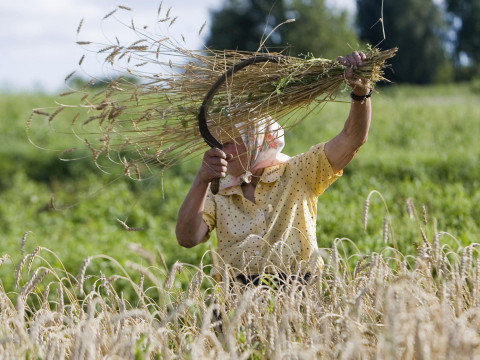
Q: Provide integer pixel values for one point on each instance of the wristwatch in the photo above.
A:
(361, 97)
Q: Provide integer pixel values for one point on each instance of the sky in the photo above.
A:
(38, 37)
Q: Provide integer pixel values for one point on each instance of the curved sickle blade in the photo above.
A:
(202, 115)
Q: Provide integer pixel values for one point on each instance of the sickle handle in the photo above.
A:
(215, 185)
(202, 116)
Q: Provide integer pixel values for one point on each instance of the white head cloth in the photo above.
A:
(264, 141)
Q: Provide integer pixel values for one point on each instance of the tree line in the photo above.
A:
(438, 41)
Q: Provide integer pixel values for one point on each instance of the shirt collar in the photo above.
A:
(270, 175)
(232, 190)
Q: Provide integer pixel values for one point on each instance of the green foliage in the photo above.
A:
(417, 28)
(317, 29)
(438, 41)
(466, 13)
(423, 144)
(242, 24)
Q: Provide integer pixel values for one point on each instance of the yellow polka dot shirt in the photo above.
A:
(279, 228)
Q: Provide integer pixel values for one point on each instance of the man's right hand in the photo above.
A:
(191, 228)
(214, 165)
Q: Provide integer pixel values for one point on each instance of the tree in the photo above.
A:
(317, 30)
(465, 19)
(241, 24)
(417, 28)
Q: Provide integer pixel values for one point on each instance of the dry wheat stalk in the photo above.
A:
(143, 252)
(169, 280)
(386, 314)
(424, 214)
(18, 270)
(4, 258)
(365, 213)
(147, 116)
(60, 301)
(385, 230)
(410, 208)
(33, 282)
(32, 257)
(81, 274)
(24, 240)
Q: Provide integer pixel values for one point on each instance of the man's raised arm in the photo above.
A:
(342, 148)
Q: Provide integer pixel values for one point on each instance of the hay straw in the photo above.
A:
(362, 306)
(152, 121)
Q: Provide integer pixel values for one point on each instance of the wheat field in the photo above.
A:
(417, 300)
(386, 305)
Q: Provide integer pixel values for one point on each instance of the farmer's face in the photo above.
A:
(238, 165)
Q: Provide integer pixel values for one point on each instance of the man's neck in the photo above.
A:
(249, 189)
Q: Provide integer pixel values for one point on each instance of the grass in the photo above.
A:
(418, 301)
(422, 145)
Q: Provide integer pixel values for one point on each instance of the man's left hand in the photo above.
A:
(353, 61)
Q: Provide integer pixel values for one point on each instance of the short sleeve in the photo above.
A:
(210, 212)
(316, 169)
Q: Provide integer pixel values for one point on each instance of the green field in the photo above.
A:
(368, 302)
(423, 145)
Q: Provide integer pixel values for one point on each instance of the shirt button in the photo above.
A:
(260, 186)
(257, 252)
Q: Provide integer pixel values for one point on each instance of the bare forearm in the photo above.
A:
(342, 148)
(357, 124)
(191, 228)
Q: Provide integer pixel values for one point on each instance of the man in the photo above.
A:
(265, 211)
